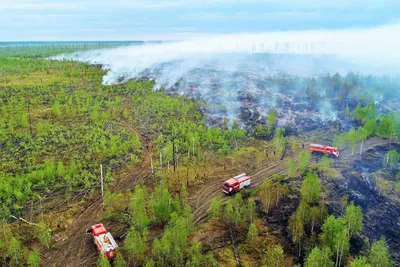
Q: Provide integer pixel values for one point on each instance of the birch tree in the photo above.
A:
(319, 258)
(379, 256)
(354, 218)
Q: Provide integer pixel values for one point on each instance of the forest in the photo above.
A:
(164, 164)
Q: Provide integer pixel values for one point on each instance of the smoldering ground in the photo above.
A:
(246, 75)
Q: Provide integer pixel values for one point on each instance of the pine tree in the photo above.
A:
(274, 256)
(162, 204)
(137, 208)
(56, 109)
(194, 255)
(215, 209)
(16, 252)
(119, 261)
(197, 259)
(252, 233)
(135, 244)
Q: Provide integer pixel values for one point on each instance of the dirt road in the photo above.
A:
(75, 249)
(203, 198)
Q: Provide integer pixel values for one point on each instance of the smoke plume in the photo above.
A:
(232, 71)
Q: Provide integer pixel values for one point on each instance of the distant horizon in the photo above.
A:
(150, 20)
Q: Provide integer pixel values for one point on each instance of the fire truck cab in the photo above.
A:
(103, 240)
(321, 149)
(236, 183)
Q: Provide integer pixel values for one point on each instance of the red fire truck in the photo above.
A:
(103, 240)
(321, 149)
(236, 183)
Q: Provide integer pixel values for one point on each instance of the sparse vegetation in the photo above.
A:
(161, 158)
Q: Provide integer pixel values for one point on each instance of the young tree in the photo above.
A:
(319, 258)
(137, 208)
(259, 130)
(150, 263)
(296, 229)
(359, 113)
(379, 256)
(34, 259)
(274, 256)
(371, 127)
(344, 202)
(316, 217)
(363, 134)
(215, 209)
(5, 238)
(271, 123)
(386, 128)
(56, 109)
(119, 261)
(304, 158)
(162, 204)
(15, 251)
(360, 262)
(310, 188)
(291, 166)
(94, 115)
(168, 250)
(335, 236)
(135, 244)
(194, 255)
(103, 261)
(270, 193)
(348, 112)
(279, 141)
(197, 259)
(391, 160)
(43, 233)
(340, 140)
(252, 233)
(353, 138)
(354, 218)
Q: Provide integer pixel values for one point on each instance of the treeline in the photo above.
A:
(342, 91)
(46, 50)
(385, 126)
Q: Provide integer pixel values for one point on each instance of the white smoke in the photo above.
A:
(255, 56)
(369, 50)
